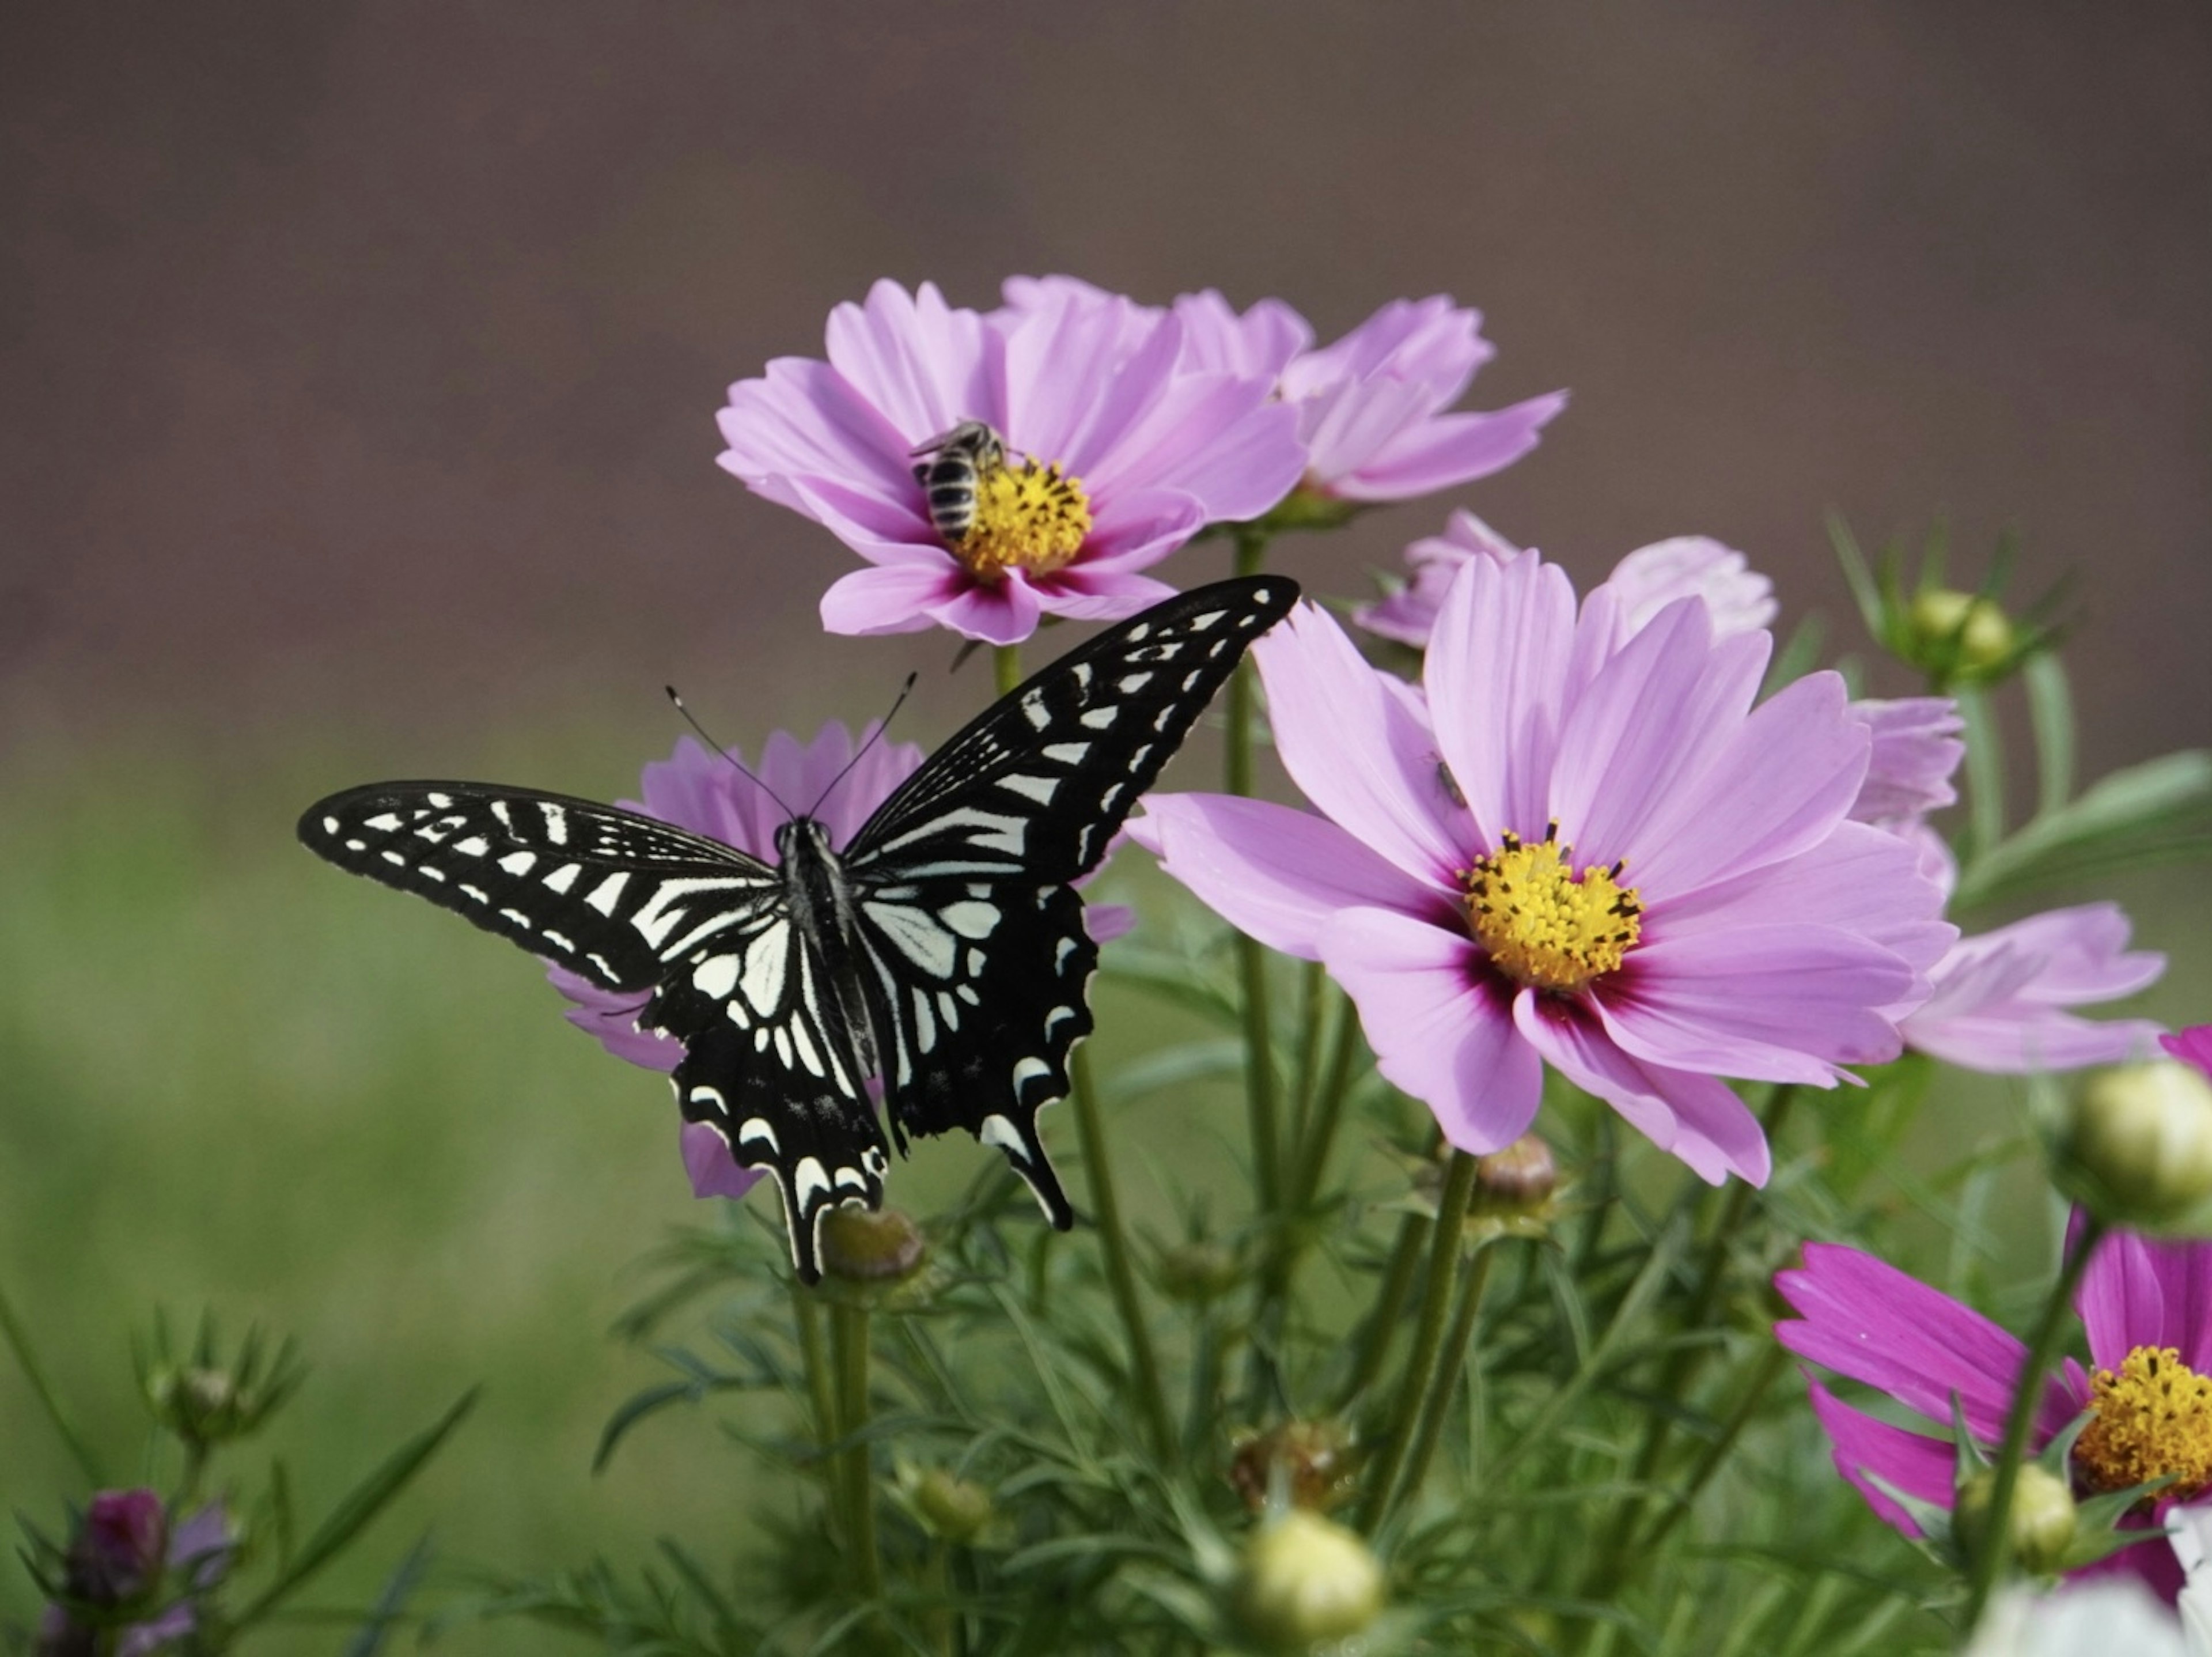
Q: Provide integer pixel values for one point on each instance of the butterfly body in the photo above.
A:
(942, 949)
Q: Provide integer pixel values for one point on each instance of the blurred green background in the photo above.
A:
(357, 369)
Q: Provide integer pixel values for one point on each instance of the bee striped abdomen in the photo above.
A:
(949, 471)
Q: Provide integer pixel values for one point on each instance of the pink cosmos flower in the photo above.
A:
(1577, 849)
(2147, 1308)
(701, 791)
(1998, 1000)
(123, 1546)
(1372, 406)
(1644, 582)
(1117, 454)
(1917, 747)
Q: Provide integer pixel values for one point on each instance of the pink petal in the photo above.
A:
(1353, 752)
(1274, 874)
(1217, 439)
(1777, 1003)
(1693, 1117)
(1076, 392)
(713, 1172)
(920, 362)
(1780, 788)
(1914, 1463)
(1439, 1023)
(1864, 1319)
(1257, 344)
(802, 417)
(2139, 1291)
(610, 1019)
(1647, 580)
(1086, 595)
(1858, 880)
(1005, 612)
(1495, 675)
(890, 598)
(1447, 450)
(2192, 1047)
(1137, 529)
(1654, 717)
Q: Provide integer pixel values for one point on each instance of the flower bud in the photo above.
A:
(862, 1247)
(118, 1552)
(951, 1505)
(1973, 626)
(1313, 1459)
(2041, 1523)
(1517, 1179)
(2142, 1140)
(1198, 1272)
(1306, 1579)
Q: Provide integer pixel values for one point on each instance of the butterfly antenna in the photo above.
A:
(743, 770)
(882, 725)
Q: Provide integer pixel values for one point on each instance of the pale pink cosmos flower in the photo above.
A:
(1148, 451)
(1999, 1000)
(1917, 747)
(698, 789)
(1871, 1323)
(1643, 583)
(1375, 408)
(1688, 897)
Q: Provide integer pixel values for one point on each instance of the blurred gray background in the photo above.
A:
(362, 361)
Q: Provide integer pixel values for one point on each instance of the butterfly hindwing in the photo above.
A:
(980, 958)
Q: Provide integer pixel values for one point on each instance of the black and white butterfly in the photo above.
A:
(943, 949)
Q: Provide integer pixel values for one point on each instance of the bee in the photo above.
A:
(947, 469)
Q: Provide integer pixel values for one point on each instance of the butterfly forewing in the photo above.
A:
(981, 963)
(600, 892)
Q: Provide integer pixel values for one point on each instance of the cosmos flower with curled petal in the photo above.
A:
(2147, 1308)
(1644, 582)
(700, 790)
(1116, 452)
(1374, 407)
(1576, 845)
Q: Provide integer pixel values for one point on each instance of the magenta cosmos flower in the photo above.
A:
(1644, 582)
(119, 1555)
(1577, 849)
(2147, 1308)
(700, 790)
(1375, 408)
(1115, 454)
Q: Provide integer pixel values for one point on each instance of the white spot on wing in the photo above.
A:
(1130, 684)
(1039, 788)
(807, 1179)
(1037, 713)
(384, 822)
(604, 896)
(563, 877)
(557, 822)
(1067, 753)
(1099, 718)
(519, 862)
(1029, 1069)
(918, 937)
(758, 1128)
(970, 919)
(762, 982)
(997, 1130)
(1199, 623)
(716, 975)
(330, 826)
(475, 846)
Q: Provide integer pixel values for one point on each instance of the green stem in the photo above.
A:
(1090, 1130)
(1450, 1362)
(1311, 1161)
(2027, 1394)
(848, 1345)
(1382, 1322)
(1260, 1078)
(808, 1322)
(1313, 984)
(1682, 1369)
(1771, 1366)
(1006, 665)
(1444, 1261)
(19, 1342)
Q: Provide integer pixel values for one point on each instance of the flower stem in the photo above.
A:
(1383, 1321)
(19, 1343)
(1444, 1262)
(1152, 1398)
(2027, 1393)
(848, 1346)
(1451, 1361)
(1772, 1363)
(1006, 665)
(808, 1322)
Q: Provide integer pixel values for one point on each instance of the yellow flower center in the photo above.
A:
(1027, 517)
(2153, 1417)
(1546, 924)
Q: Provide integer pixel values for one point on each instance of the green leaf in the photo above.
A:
(2050, 709)
(2161, 807)
(399, 1587)
(354, 1511)
(19, 1342)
